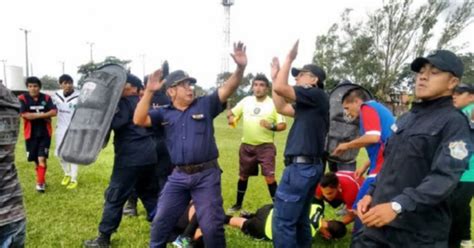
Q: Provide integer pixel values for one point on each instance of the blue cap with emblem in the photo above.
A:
(177, 77)
(442, 59)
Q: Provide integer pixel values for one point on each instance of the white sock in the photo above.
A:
(65, 167)
(74, 169)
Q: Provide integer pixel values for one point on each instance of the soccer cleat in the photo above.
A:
(66, 180)
(130, 209)
(102, 241)
(234, 209)
(182, 242)
(72, 185)
(40, 187)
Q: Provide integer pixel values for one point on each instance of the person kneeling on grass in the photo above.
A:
(257, 225)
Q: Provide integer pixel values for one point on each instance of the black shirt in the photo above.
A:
(424, 159)
(309, 130)
(133, 145)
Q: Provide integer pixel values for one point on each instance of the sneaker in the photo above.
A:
(102, 241)
(72, 185)
(466, 244)
(182, 242)
(66, 180)
(234, 209)
(40, 187)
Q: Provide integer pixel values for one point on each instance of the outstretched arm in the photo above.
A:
(281, 105)
(141, 117)
(281, 86)
(240, 59)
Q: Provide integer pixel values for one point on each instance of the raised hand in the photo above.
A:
(239, 55)
(275, 68)
(294, 51)
(155, 81)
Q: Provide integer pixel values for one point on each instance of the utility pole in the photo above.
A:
(26, 50)
(91, 45)
(62, 66)
(4, 61)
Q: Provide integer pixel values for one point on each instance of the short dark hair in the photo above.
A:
(65, 78)
(337, 229)
(352, 94)
(329, 180)
(261, 77)
(33, 80)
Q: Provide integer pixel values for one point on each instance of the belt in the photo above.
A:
(302, 160)
(196, 168)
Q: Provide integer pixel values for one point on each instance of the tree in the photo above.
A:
(468, 60)
(375, 53)
(89, 67)
(49, 83)
(241, 92)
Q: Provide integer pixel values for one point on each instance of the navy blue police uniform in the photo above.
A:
(134, 163)
(303, 152)
(193, 151)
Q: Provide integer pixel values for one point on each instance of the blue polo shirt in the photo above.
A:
(308, 133)
(133, 145)
(190, 133)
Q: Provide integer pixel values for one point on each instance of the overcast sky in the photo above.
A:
(188, 33)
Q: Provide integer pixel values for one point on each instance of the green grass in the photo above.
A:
(65, 218)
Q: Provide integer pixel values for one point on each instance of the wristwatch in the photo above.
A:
(396, 207)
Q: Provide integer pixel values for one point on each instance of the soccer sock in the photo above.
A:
(37, 173)
(41, 173)
(241, 188)
(272, 189)
(191, 227)
(65, 167)
(74, 168)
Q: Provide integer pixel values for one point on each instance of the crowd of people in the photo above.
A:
(414, 191)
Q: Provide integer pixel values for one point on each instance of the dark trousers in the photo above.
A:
(291, 226)
(461, 213)
(122, 183)
(204, 188)
(390, 237)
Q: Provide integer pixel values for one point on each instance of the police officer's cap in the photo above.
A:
(134, 81)
(461, 88)
(177, 77)
(314, 69)
(442, 59)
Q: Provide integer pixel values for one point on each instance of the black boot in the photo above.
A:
(130, 208)
(102, 241)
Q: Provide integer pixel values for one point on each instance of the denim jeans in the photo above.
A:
(13, 235)
(291, 227)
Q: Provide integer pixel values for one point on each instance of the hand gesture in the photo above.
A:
(340, 149)
(294, 51)
(323, 230)
(155, 81)
(239, 55)
(275, 68)
(265, 124)
(379, 215)
(363, 205)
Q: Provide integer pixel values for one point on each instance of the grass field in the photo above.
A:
(65, 218)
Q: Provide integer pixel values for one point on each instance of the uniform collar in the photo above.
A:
(432, 104)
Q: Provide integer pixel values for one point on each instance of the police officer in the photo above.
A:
(309, 105)
(407, 206)
(189, 131)
(134, 163)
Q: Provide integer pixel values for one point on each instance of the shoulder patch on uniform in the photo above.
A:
(394, 127)
(458, 150)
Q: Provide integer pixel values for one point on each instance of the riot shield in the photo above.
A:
(94, 112)
(340, 130)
